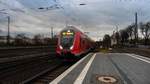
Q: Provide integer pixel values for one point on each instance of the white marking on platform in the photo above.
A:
(134, 56)
(82, 75)
(142, 57)
(59, 78)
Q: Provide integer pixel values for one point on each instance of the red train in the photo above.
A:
(72, 43)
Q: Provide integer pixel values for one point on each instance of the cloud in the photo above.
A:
(97, 16)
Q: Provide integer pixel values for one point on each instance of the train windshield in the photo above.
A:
(67, 38)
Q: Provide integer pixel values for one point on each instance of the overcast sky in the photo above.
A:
(98, 17)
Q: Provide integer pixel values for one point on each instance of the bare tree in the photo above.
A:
(124, 36)
(47, 41)
(38, 39)
(117, 36)
(145, 30)
(106, 41)
(20, 39)
(130, 31)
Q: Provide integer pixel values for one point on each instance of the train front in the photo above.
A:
(66, 43)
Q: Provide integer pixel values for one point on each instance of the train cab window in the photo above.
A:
(67, 39)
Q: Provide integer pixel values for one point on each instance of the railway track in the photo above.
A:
(33, 72)
(25, 47)
(33, 68)
(25, 57)
(24, 51)
(17, 71)
(48, 75)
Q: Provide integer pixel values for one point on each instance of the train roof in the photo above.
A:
(76, 30)
(72, 28)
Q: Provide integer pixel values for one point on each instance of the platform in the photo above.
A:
(107, 68)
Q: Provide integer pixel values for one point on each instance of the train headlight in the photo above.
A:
(71, 47)
(60, 47)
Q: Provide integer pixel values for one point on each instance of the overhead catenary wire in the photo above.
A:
(73, 18)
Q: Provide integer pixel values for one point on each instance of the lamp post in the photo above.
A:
(8, 32)
(52, 32)
(136, 29)
(8, 28)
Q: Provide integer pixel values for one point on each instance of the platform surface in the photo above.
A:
(107, 68)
